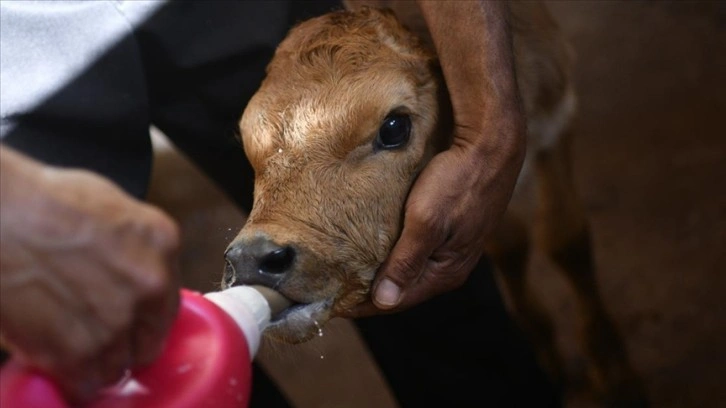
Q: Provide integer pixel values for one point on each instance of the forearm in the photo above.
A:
(478, 67)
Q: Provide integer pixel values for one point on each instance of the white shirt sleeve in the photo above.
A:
(45, 44)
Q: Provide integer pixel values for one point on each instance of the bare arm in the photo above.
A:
(474, 44)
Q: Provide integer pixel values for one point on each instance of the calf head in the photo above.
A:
(336, 134)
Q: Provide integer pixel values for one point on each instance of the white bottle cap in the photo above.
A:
(248, 308)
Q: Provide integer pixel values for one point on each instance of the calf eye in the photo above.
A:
(394, 132)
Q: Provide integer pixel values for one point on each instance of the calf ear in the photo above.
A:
(406, 11)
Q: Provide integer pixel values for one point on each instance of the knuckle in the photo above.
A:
(448, 276)
(155, 283)
(80, 348)
(158, 229)
(167, 234)
(424, 220)
(120, 321)
(404, 269)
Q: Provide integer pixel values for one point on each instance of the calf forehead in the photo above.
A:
(334, 116)
(331, 82)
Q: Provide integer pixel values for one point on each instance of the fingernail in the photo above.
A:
(387, 293)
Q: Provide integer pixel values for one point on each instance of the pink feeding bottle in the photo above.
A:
(206, 361)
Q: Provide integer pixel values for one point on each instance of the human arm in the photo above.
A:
(88, 280)
(462, 193)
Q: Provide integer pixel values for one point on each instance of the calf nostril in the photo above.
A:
(230, 275)
(277, 261)
(232, 253)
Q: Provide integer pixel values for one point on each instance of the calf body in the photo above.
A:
(352, 108)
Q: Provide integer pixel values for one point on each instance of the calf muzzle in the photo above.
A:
(257, 261)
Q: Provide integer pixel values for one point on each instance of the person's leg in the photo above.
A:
(460, 349)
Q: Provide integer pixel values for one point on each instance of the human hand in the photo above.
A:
(453, 206)
(462, 192)
(88, 275)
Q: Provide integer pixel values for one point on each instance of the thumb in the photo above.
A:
(404, 265)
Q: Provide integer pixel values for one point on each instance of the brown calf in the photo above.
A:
(351, 110)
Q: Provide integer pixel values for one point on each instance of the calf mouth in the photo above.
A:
(300, 322)
(291, 321)
(306, 307)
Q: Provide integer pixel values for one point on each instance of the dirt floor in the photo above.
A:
(650, 160)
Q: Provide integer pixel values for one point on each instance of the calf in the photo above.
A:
(352, 108)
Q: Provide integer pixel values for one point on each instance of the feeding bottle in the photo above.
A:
(206, 361)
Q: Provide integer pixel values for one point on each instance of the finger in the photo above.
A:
(79, 386)
(157, 309)
(154, 318)
(365, 309)
(148, 340)
(78, 372)
(441, 274)
(82, 382)
(429, 285)
(112, 364)
(151, 328)
(404, 265)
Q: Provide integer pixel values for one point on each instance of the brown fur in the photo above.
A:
(323, 189)
(308, 133)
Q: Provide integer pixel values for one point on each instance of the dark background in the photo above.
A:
(650, 162)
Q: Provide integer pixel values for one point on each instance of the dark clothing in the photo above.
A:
(189, 69)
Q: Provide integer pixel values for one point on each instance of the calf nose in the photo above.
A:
(257, 261)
